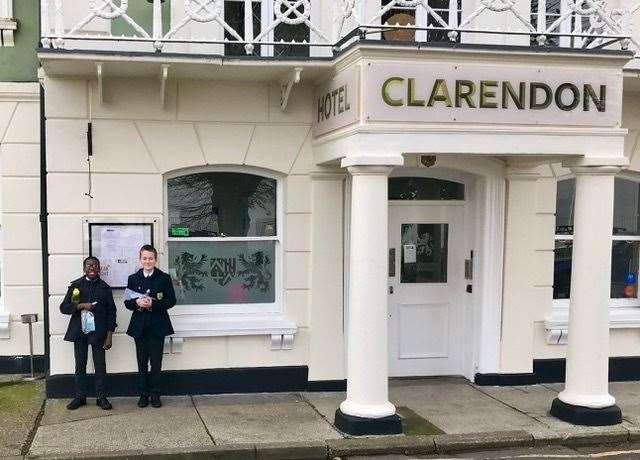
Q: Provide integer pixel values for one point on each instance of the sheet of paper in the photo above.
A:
(409, 250)
(117, 247)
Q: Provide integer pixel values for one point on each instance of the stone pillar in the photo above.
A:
(367, 409)
(516, 344)
(586, 399)
(326, 315)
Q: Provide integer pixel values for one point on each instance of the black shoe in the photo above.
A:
(76, 402)
(143, 401)
(155, 401)
(104, 404)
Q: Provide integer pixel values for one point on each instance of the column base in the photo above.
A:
(580, 415)
(360, 426)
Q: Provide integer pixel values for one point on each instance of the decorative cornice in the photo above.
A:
(19, 92)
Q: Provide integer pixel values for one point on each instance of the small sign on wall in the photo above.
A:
(336, 103)
(117, 247)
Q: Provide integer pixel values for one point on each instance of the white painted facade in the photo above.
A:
(159, 116)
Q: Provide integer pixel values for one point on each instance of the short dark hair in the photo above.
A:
(95, 259)
(149, 248)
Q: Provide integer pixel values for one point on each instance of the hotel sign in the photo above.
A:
(481, 94)
(337, 103)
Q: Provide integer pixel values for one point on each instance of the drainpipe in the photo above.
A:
(44, 215)
(44, 228)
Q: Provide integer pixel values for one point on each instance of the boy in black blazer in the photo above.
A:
(91, 294)
(149, 295)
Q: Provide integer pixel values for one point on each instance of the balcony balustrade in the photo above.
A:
(289, 29)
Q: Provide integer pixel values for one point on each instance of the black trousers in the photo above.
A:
(149, 351)
(80, 351)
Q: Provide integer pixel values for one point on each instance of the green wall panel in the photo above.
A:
(141, 11)
(19, 62)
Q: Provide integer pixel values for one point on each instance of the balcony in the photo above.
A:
(288, 30)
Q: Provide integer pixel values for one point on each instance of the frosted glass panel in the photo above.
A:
(222, 272)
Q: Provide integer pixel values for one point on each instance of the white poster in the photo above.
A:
(117, 247)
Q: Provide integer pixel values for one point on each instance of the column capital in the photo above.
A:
(595, 170)
(373, 160)
(368, 170)
(592, 165)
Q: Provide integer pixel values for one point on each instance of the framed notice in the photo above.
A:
(117, 246)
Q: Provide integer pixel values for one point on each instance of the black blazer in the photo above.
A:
(161, 290)
(104, 311)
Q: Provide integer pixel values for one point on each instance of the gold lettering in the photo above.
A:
(575, 92)
(386, 97)
(533, 96)
(465, 89)
(440, 93)
(509, 92)
(411, 94)
(599, 101)
(486, 93)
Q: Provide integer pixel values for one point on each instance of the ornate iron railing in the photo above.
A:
(298, 25)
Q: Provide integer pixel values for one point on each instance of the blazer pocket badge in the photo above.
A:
(159, 295)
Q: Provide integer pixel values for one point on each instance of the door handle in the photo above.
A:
(390, 289)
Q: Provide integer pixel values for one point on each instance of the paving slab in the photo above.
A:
(127, 427)
(456, 406)
(533, 400)
(262, 418)
(325, 403)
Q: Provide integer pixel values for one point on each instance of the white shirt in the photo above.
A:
(147, 274)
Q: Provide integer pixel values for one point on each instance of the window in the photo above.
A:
(291, 32)
(418, 16)
(223, 238)
(424, 188)
(263, 14)
(625, 245)
(234, 16)
(573, 24)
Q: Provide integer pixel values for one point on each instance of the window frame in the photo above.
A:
(613, 302)
(274, 308)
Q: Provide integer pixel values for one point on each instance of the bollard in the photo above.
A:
(29, 319)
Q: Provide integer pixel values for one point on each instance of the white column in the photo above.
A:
(367, 357)
(588, 348)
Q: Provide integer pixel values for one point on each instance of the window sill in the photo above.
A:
(280, 329)
(620, 317)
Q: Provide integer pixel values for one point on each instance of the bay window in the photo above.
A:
(625, 244)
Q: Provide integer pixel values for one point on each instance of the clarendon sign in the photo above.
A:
(436, 93)
(492, 94)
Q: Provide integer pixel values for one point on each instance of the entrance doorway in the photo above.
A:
(426, 277)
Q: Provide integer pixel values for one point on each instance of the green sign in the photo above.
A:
(179, 231)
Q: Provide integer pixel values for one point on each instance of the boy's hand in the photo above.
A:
(85, 306)
(108, 341)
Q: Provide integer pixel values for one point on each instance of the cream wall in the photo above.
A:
(21, 264)
(136, 142)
